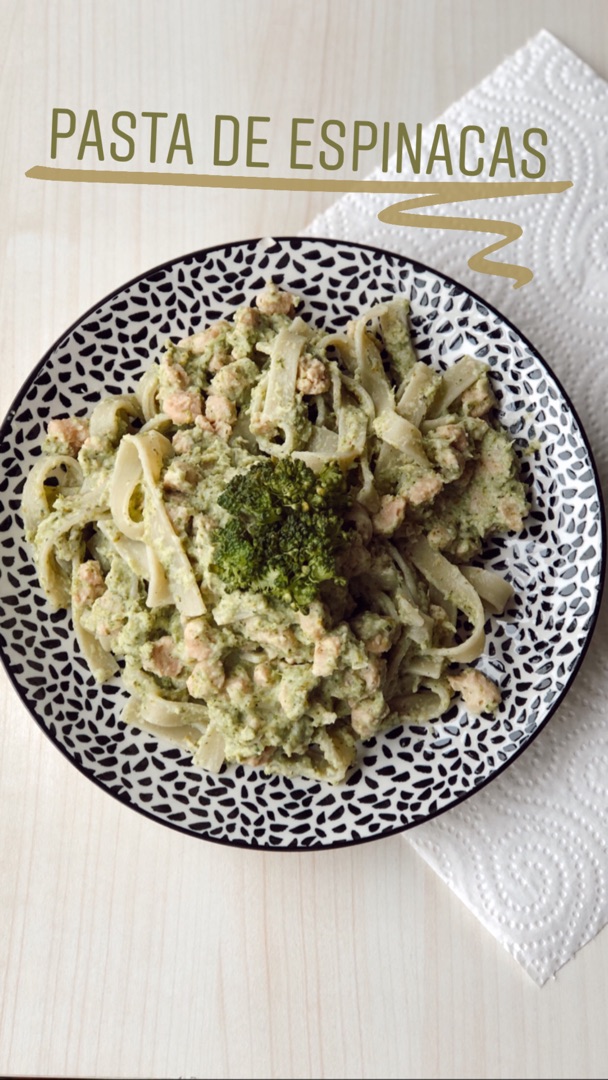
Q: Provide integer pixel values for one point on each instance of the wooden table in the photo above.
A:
(127, 949)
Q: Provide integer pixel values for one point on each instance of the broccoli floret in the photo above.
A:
(285, 531)
(238, 559)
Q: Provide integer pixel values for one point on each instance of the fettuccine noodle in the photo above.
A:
(122, 510)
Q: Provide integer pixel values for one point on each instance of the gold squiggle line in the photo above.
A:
(433, 194)
(461, 192)
(464, 190)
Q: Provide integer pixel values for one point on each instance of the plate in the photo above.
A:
(409, 774)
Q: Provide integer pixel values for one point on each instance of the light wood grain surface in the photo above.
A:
(127, 950)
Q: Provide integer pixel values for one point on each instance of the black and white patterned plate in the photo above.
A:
(410, 774)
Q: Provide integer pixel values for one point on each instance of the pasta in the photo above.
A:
(125, 509)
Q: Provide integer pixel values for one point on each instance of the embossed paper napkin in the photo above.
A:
(529, 853)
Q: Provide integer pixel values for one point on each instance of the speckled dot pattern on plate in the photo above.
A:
(409, 774)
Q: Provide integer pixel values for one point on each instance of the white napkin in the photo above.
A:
(529, 853)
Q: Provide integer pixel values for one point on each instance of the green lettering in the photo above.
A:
(123, 135)
(504, 137)
(338, 163)
(358, 146)
(181, 125)
(92, 121)
(154, 118)
(251, 142)
(440, 136)
(217, 140)
(542, 164)
(295, 142)
(56, 133)
(403, 139)
(386, 134)
(463, 150)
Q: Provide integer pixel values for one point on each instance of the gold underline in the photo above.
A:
(487, 188)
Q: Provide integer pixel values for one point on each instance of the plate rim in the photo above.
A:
(336, 844)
